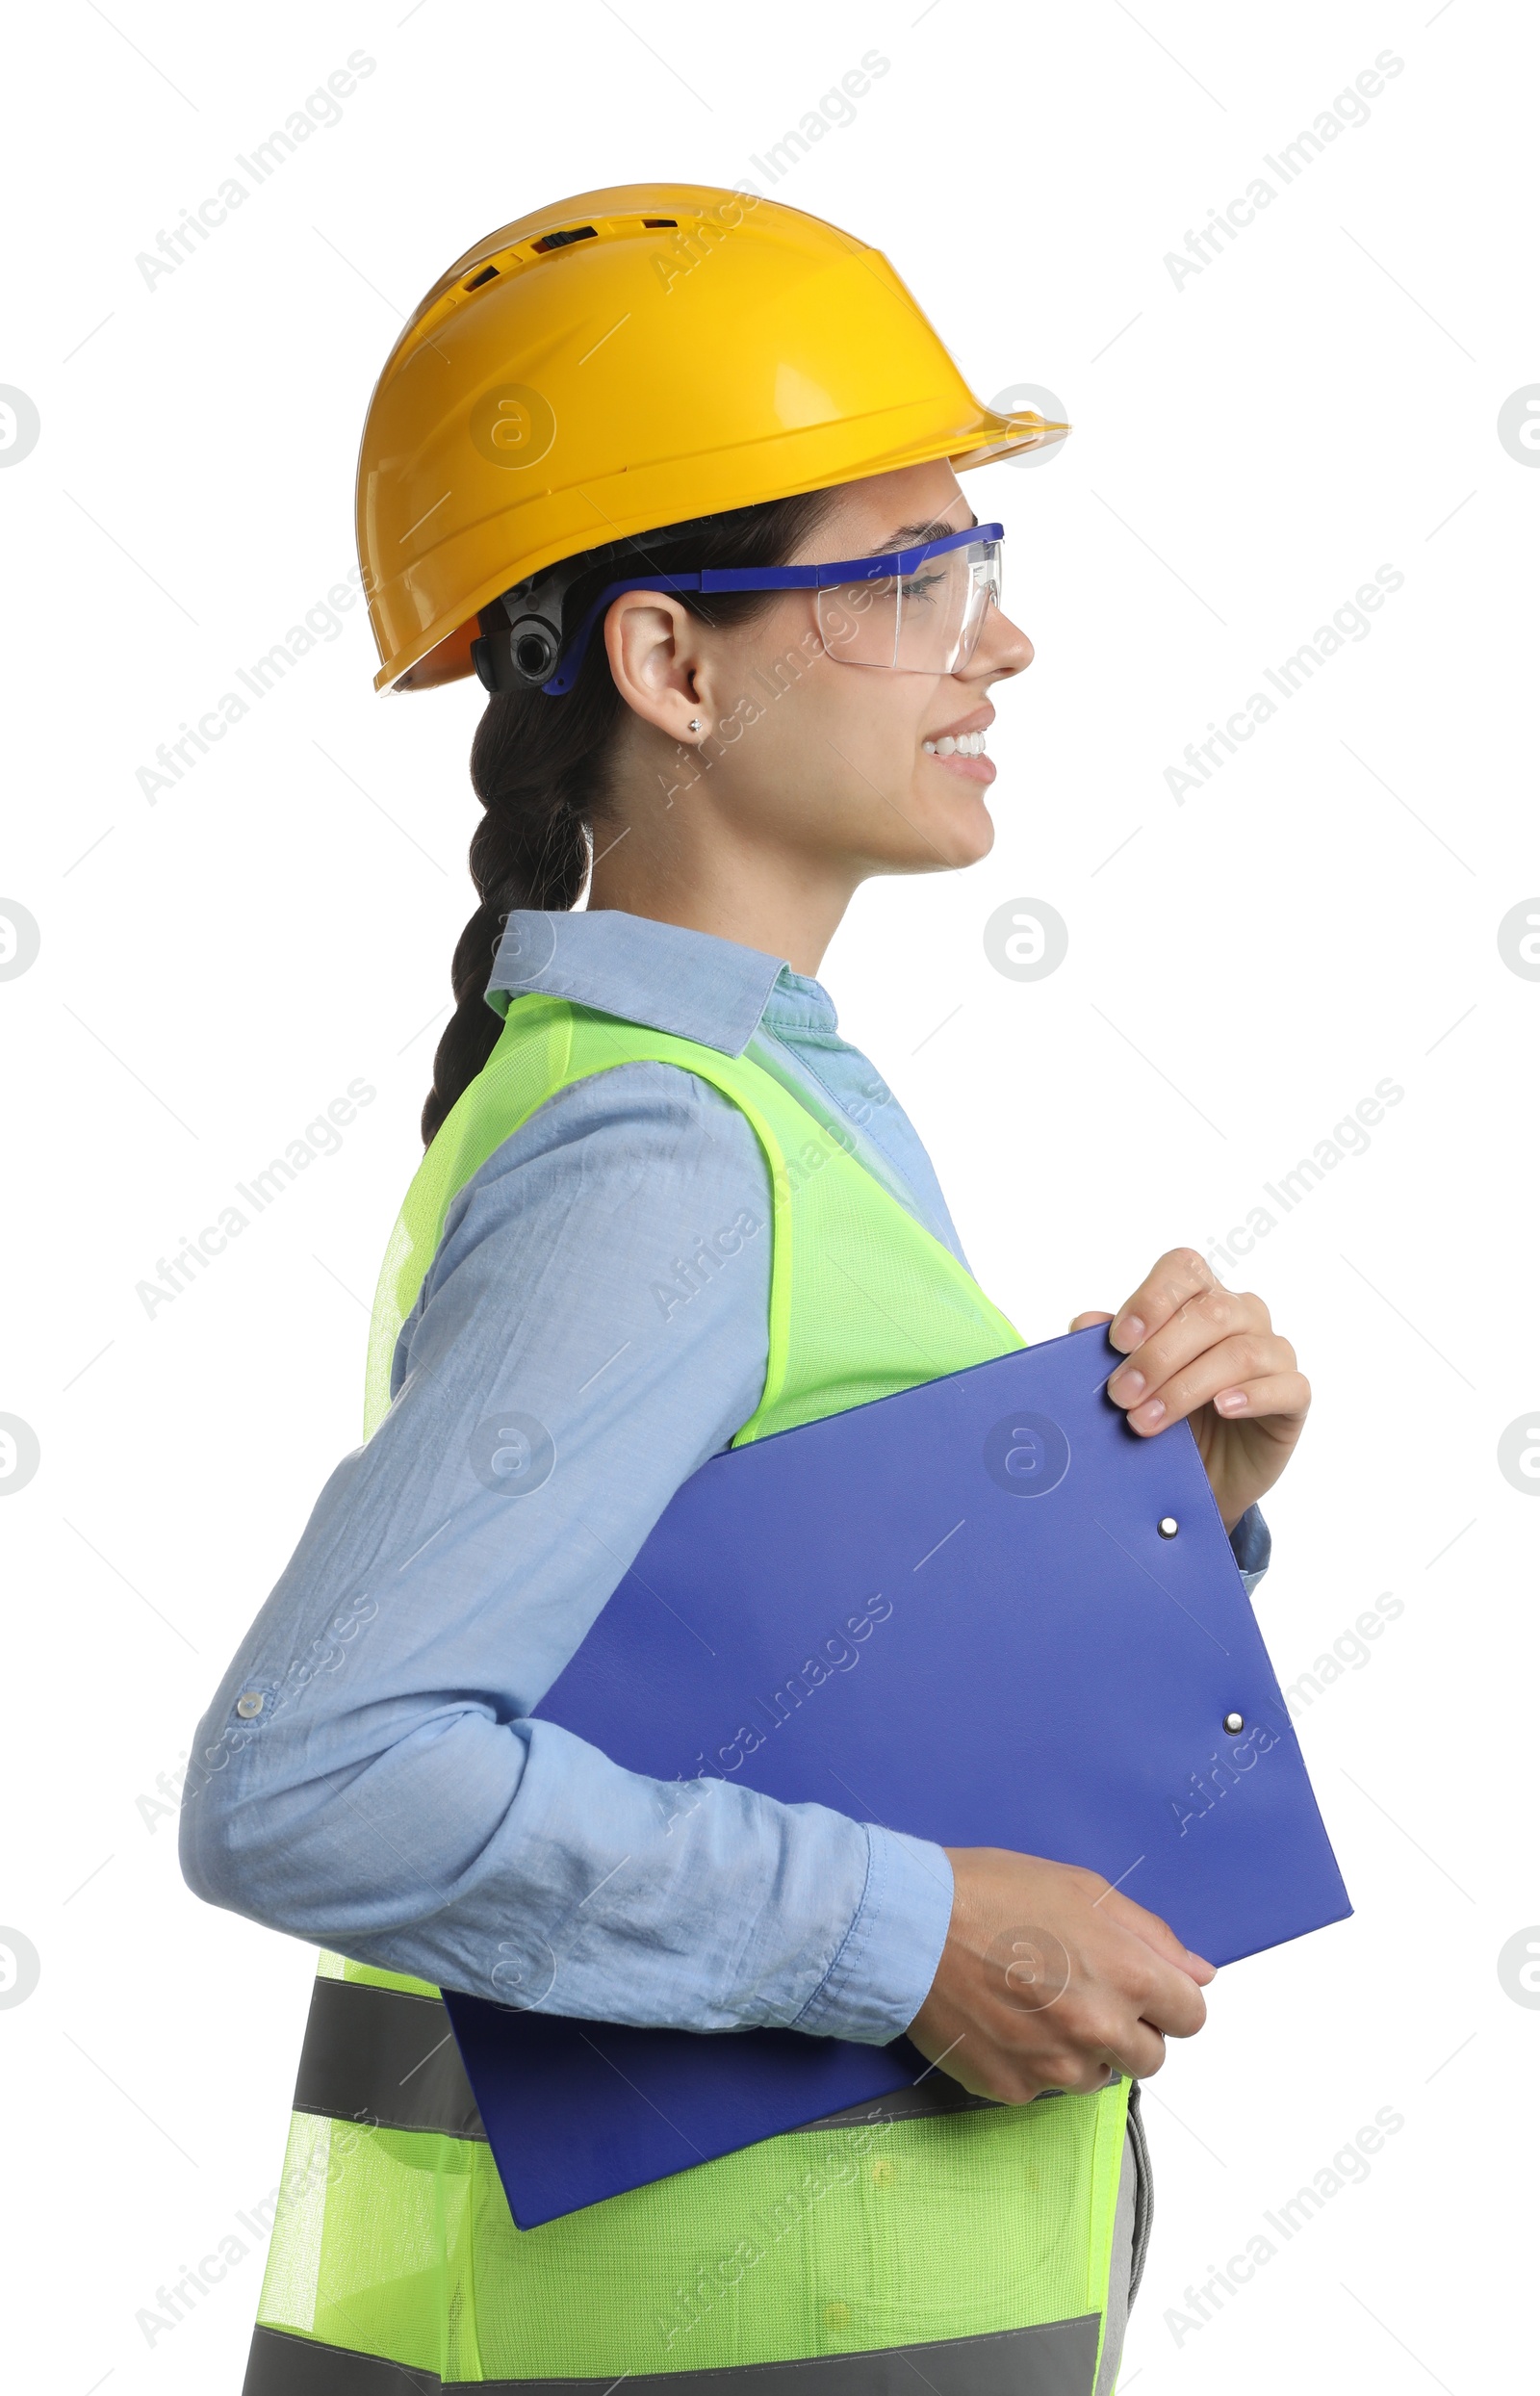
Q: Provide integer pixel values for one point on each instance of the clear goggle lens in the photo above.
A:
(927, 622)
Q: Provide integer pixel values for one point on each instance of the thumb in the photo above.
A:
(1084, 1322)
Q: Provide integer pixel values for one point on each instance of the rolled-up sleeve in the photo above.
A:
(368, 1777)
(1251, 1546)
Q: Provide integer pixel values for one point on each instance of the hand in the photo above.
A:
(1050, 1979)
(1194, 1350)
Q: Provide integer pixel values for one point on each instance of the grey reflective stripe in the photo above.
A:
(1131, 2227)
(381, 2056)
(1057, 2360)
(1144, 2193)
(1121, 2272)
(933, 2093)
(921, 2102)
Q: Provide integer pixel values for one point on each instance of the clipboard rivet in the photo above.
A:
(1167, 1526)
(1234, 1723)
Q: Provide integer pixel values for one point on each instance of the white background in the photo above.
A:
(1242, 968)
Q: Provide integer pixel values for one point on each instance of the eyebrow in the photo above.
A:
(915, 535)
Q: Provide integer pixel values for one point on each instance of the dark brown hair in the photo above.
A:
(540, 766)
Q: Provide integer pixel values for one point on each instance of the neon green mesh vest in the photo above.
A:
(990, 2249)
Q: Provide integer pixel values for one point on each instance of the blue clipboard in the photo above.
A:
(1056, 1637)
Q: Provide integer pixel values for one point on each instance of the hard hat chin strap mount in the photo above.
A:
(522, 652)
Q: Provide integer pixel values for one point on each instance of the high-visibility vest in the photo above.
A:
(992, 2248)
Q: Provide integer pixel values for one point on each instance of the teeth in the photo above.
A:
(965, 744)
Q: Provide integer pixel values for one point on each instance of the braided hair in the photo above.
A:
(540, 766)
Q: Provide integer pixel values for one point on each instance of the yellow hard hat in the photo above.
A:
(624, 360)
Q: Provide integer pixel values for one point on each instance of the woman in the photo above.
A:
(666, 1208)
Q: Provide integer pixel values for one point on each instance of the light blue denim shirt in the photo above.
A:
(389, 1796)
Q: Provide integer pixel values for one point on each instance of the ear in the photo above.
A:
(654, 647)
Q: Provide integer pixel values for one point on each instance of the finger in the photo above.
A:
(1201, 1324)
(1165, 1995)
(1233, 1365)
(1155, 1933)
(1180, 1274)
(1172, 2002)
(1147, 2055)
(1274, 1395)
(1087, 2059)
(1084, 1322)
(1138, 2052)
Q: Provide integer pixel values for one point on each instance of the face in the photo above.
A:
(839, 762)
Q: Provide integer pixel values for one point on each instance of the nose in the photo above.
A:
(1003, 648)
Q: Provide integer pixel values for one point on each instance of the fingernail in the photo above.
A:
(1230, 1401)
(1126, 1333)
(1149, 1415)
(1126, 1385)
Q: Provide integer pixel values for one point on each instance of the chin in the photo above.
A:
(964, 834)
(983, 835)
(947, 850)
(931, 838)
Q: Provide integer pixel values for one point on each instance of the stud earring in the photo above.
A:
(695, 723)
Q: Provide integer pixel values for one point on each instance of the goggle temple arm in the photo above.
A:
(566, 674)
(731, 579)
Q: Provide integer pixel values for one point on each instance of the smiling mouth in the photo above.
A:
(962, 744)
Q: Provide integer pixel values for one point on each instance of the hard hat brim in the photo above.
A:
(983, 441)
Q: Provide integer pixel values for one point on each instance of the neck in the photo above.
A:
(705, 876)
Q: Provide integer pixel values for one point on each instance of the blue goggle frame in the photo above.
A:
(812, 577)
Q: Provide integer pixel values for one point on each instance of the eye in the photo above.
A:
(921, 585)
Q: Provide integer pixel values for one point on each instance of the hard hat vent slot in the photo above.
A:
(659, 224)
(559, 240)
(476, 280)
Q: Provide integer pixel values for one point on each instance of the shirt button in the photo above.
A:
(883, 2173)
(251, 1704)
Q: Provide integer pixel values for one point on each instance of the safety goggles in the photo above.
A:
(914, 610)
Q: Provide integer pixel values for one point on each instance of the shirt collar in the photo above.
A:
(690, 983)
